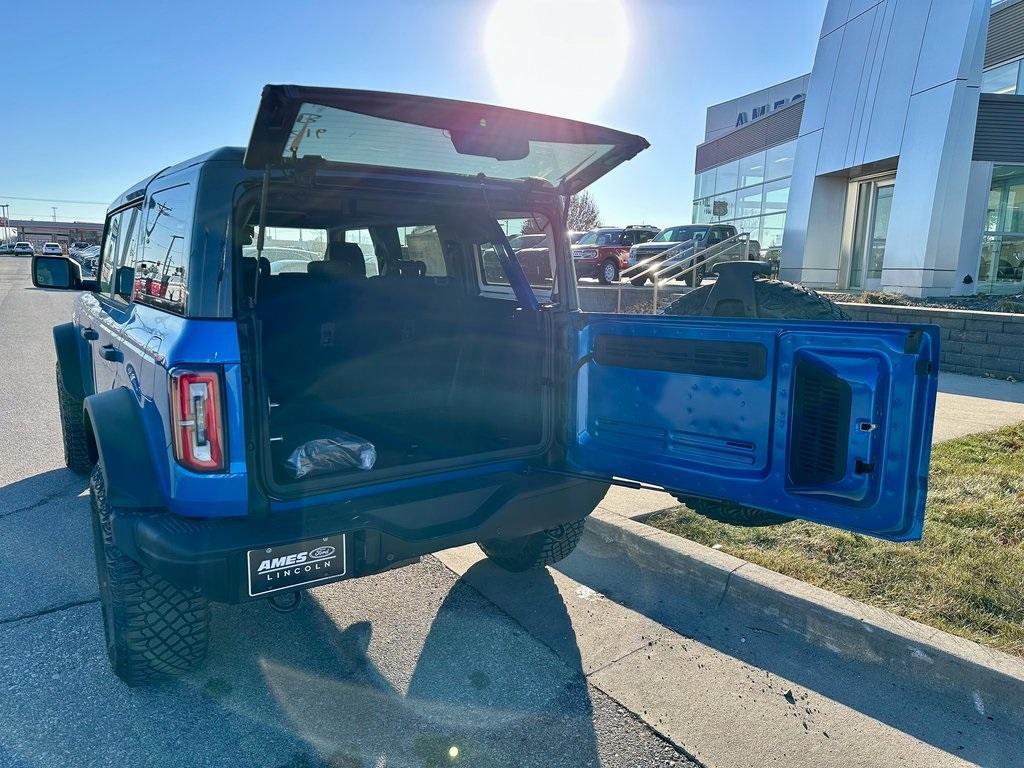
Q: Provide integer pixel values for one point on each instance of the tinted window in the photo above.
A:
(162, 272)
(111, 238)
(119, 246)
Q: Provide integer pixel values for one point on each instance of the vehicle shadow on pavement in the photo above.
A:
(865, 684)
(35, 491)
(456, 682)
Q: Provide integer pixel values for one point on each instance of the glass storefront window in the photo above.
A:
(751, 170)
(779, 161)
(1004, 79)
(772, 228)
(776, 196)
(748, 202)
(751, 226)
(728, 176)
(723, 206)
(705, 184)
(1006, 199)
(702, 211)
(1002, 263)
(1001, 268)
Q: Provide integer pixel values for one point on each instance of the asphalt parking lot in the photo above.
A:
(391, 670)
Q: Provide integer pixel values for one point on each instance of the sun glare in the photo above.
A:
(561, 56)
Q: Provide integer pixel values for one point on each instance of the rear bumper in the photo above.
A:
(211, 554)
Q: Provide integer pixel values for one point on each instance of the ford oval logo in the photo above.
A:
(321, 552)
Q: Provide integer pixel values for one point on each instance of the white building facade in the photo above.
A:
(905, 147)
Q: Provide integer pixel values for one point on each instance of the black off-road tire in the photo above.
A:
(639, 282)
(536, 550)
(155, 630)
(72, 428)
(775, 300)
(602, 272)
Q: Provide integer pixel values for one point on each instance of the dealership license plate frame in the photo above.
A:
(255, 557)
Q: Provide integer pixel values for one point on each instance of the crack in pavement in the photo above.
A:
(42, 501)
(46, 611)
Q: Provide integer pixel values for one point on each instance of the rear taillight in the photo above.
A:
(197, 420)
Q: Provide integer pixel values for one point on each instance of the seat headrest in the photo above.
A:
(343, 261)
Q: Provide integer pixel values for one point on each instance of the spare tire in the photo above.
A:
(776, 300)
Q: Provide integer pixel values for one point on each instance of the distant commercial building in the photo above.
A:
(896, 164)
(38, 232)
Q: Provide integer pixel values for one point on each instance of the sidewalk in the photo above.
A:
(966, 405)
(684, 645)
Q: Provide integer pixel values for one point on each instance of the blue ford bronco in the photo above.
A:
(318, 358)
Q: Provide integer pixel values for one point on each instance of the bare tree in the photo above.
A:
(583, 213)
(583, 216)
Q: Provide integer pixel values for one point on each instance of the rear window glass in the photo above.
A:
(288, 249)
(340, 136)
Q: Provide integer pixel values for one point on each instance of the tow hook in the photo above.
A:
(285, 603)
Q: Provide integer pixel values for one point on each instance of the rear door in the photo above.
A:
(341, 128)
(109, 312)
(829, 422)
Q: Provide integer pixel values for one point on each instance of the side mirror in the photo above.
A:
(56, 272)
(124, 283)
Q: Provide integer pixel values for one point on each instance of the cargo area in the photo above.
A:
(381, 336)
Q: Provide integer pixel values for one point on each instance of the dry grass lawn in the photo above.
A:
(966, 576)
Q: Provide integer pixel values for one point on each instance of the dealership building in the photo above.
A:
(896, 164)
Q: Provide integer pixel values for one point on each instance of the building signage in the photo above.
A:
(759, 111)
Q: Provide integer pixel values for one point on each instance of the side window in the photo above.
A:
(536, 262)
(161, 275)
(119, 246)
(111, 240)
(364, 240)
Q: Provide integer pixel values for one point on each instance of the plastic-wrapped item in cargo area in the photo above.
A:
(323, 450)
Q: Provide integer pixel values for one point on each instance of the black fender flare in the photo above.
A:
(123, 452)
(73, 362)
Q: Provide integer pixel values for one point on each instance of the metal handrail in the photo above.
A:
(670, 258)
(672, 252)
(706, 255)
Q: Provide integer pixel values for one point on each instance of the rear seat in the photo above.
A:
(335, 338)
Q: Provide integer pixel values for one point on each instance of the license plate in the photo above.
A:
(272, 569)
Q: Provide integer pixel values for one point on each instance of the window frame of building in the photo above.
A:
(1001, 230)
(1014, 71)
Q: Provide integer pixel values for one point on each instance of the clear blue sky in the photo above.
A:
(99, 95)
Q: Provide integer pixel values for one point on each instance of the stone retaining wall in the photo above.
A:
(977, 343)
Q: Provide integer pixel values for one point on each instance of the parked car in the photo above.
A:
(6, 248)
(76, 247)
(88, 257)
(23, 248)
(301, 428)
(702, 236)
(604, 252)
(52, 249)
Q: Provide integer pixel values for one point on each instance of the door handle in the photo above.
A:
(108, 352)
(89, 334)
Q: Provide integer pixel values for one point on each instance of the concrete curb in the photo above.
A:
(993, 681)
